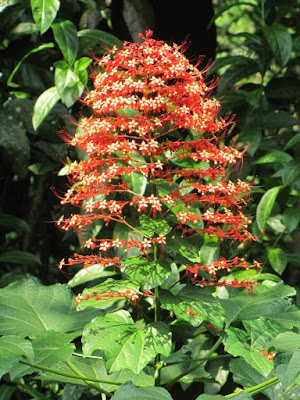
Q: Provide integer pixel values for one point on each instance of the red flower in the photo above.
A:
(151, 112)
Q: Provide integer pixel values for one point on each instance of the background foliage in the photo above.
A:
(45, 55)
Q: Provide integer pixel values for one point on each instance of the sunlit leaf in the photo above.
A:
(44, 105)
(265, 206)
(44, 13)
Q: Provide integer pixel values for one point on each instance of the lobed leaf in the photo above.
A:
(28, 308)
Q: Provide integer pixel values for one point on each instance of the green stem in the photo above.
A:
(158, 364)
(78, 372)
(257, 388)
(61, 373)
(191, 360)
(32, 392)
(170, 383)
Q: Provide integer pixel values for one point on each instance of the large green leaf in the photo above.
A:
(262, 302)
(291, 218)
(246, 375)
(275, 157)
(293, 369)
(286, 341)
(289, 173)
(210, 397)
(193, 305)
(265, 206)
(125, 344)
(49, 349)
(44, 104)
(149, 274)
(159, 226)
(91, 38)
(35, 50)
(294, 140)
(65, 34)
(28, 308)
(95, 368)
(130, 392)
(19, 257)
(106, 293)
(44, 13)
(209, 252)
(278, 260)
(90, 273)
(10, 222)
(12, 348)
(236, 343)
(283, 88)
(280, 42)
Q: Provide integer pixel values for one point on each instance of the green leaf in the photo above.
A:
(221, 62)
(251, 138)
(291, 218)
(36, 50)
(149, 274)
(275, 120)
(159, 226)
(19, 257)
(294, 259)
(130, 392)
(95, 368)
(10, 222)
(90, 273)
(209, 252)
(289, 319)
(210, 397)
(283, 88)
(28, 308)
(90, 38)
(65, 34)
(286, 341)
(275, 157)
(44, 105)
(193, 305)
(67, 82)
(278, 260)
(125, 344)
(294, 140)
(6, 391)
(262, 302)
(237, 344)
(265, 206)
(293, 369)
(280, 42)
(12, 348)
(289, 173)
(44, 13)
(49, 349)
(104, 298)
(139, 183)
(238, 71)
(184, 248)
(246, 375)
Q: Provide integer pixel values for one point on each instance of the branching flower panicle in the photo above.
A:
(154, 152)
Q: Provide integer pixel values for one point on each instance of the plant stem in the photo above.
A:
(170, 383)
(257, 388)
(191, 360)
(32, 392)
(158, 365)
(78, 372)
(61, 373)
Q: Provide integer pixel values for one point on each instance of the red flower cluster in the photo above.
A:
(151, 117)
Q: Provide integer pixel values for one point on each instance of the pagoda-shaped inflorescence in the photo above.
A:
(155, 168)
